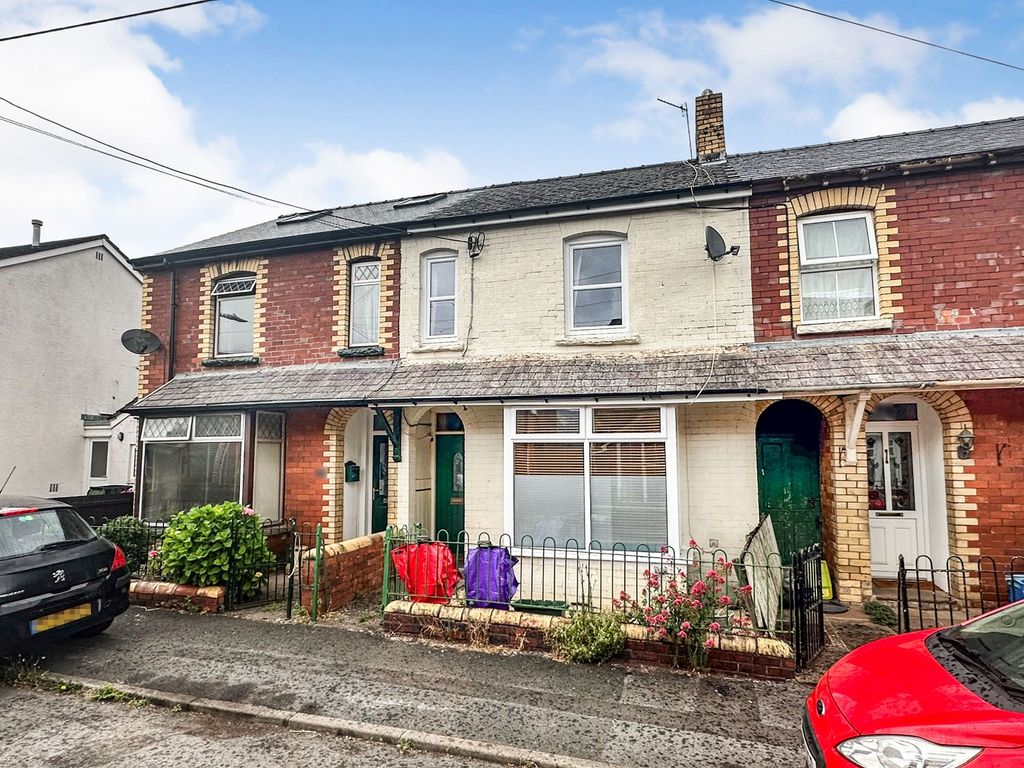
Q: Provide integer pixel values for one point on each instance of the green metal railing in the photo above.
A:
(556, 577)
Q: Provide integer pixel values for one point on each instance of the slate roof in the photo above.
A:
(661, 180)
(22, 250)
(912, 360)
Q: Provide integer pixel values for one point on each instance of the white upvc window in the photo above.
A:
(838, 267)
(364, 304)
(598, 477)
(189, 461)
(439, 302)
(99, 459)
(597, 299)
(234, 305)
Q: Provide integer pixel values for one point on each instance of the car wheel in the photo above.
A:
(96, 629)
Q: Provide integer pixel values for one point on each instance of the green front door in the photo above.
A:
(379, 517)
(789, 489)
(449, 498)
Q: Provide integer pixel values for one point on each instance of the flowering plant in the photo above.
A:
(684, 607)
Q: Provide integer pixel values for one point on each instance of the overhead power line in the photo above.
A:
(146, 163)
(104, 21)
(929, 43)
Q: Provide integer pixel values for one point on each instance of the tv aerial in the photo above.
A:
(139, 341)
(715, 245)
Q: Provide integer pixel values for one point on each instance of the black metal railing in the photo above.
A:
(930, 597)
(808, 605)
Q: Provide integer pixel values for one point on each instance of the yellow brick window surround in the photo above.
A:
(833, 200)
(387, 253)
(209, 275)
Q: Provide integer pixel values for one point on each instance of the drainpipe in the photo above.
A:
(854, 417)
(169, 373)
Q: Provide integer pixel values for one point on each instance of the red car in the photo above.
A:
(931, 699)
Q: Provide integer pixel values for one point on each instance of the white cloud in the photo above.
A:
(773, 59)
(873, 114)
(107, 81)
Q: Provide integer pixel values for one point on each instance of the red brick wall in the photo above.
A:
(959, 252)
(349, 569)
(298, 316)
(305, 476)
(186, 348)
(998, 417)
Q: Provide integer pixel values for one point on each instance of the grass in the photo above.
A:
(24, 672)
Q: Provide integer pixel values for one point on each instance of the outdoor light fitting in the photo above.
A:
(966, 446)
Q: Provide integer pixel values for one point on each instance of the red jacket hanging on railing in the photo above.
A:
(428, 571)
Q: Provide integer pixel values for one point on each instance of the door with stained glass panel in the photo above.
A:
(895, 503)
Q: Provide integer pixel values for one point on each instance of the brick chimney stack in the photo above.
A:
(710, 127)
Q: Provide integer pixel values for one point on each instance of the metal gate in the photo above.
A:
(252, 583)
(807, 605)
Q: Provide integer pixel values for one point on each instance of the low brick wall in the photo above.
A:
(178, 596)
(348, 569)
(760, 657)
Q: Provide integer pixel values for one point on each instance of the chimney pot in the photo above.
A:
(37, 232)
(710, 127)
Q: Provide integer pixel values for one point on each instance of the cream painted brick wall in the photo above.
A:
(520, 285)
(485, 480)
(717, 473)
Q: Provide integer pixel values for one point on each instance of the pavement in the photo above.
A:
(614, 714)
(69, 731)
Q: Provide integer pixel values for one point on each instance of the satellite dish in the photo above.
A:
(140, 341)
(715, 245)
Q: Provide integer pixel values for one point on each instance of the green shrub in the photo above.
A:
(201, 544)
(589, 638)
(132, 536)
(880, 613)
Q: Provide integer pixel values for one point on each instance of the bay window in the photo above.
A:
(199, 459)
(591, 476)
(838, 258)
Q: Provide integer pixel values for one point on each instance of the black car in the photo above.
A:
(57, 577)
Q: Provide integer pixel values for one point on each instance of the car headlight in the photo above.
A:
(904, 752)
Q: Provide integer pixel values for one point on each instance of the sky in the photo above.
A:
(322, 103)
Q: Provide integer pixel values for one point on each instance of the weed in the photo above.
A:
(880, 613)
(404, 745)
(109, 693)
(589, 637)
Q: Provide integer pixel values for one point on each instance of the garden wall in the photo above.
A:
(181, 597)
(348, 569)
(760, 657)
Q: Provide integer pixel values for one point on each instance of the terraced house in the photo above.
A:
(631, 358)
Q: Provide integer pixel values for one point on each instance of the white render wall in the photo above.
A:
(519, 286)
(61, 320)
(717, 466)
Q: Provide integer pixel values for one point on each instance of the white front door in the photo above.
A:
(895, 504)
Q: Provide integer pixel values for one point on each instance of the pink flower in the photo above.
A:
(709, 643)
(677, 602)
(623, 596)
(664, 549)
(711, 575)
(662, 633)
(249, 512)
(682, 634)
(693, 543)
(647, 574)
(695, 604)
(714, 626)
(154, 553)
(685, 625)
(698, 588)
(721, 560)
(615, 605)
(724, 600)
(747, 589)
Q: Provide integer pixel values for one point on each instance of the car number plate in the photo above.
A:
(60, 618)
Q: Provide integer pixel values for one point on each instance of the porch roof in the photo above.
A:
(960, 359)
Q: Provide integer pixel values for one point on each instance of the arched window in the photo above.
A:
(364, 303)
(234, 298)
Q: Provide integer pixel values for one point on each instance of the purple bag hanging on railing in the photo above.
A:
(490, 579)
